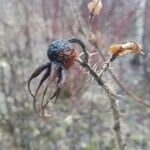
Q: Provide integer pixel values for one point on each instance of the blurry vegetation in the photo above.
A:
(82, 118)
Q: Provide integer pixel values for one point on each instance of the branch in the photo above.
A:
(126, 90)
(117, 126)
(112, 97)
(121, 85)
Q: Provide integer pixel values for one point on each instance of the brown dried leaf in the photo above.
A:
(95, 7)
(126, 48)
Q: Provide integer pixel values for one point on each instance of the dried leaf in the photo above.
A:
(95, 7)
(126, 48)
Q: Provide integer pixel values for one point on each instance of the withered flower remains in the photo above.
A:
(125, 48)
(62, 55)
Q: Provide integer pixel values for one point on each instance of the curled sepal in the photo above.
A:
(77, 41)
(61, 72)
(44, 77)
(35, 74)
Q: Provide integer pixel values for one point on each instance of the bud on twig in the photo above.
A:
(95, 7)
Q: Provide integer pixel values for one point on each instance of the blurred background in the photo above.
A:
(82, 117)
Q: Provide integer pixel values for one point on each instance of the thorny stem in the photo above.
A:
(92, 72)
(86, 55)
(111, 95)
(117, 126)
(105, 67)
(128, 92)
(115, 111)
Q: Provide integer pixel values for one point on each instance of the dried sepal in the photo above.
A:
(95, 7)
(125, 48)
